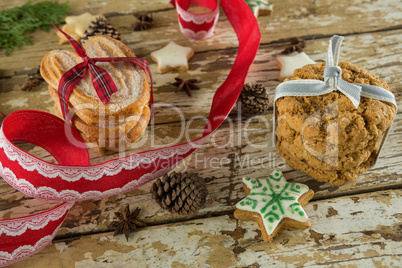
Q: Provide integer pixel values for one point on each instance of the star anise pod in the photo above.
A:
(32, 81)
(126, 221)
(186, 85)
(144, 22)
(296, 44)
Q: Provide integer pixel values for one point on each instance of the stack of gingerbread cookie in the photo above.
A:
(124, 118)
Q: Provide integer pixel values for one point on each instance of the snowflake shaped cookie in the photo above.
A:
(274, 204)
(260, 7)
(172, 57)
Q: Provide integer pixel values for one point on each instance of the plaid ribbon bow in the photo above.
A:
(101, 80)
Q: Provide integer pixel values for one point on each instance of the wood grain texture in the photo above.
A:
(356, 224)
(357, 230)
(222, 169)
(211, 69)
(309, 19)
(241, 147)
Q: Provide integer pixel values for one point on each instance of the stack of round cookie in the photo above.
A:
(124, 118)
(326, 136)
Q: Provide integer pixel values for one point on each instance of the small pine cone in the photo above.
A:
(254, 99)
(182, 193)
(100, 27)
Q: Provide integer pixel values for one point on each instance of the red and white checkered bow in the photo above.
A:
(101, 80)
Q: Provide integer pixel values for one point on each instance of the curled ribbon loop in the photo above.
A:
(101, 80)
(73, 178)
(333, 73)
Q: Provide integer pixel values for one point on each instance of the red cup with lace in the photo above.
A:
(197, 18)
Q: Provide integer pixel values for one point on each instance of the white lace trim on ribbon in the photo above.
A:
(18, 226)
(71, 195)
(199, 18)
(92, 173)
(25, 251)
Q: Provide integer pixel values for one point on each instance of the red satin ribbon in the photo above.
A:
(101, 80)
(73, 179)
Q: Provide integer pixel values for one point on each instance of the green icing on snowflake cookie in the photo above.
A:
(274, 199)
(257, 5)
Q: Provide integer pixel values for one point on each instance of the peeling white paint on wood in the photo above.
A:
(343, 231)
(224, 189)
(359, 231)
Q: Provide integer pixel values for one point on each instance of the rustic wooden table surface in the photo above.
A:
(357, 224)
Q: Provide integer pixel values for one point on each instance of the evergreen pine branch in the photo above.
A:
(16, 23)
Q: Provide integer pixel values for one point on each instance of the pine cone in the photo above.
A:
(254, 99)
(100, 27)
(180, 192)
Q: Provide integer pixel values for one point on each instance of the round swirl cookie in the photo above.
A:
(325, 136)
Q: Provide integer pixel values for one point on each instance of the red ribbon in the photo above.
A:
(73, 178)
(101, 80)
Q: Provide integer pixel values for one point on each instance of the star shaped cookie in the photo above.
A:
(172, 57)
(75, 26)
(274, 204)
(289, 63)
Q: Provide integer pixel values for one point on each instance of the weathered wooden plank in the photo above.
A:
(233, 161)
(235, 151)
(373, 57)
(211, 69)
(305, 18)
(371, 234)
(358, 231)
(102, 6)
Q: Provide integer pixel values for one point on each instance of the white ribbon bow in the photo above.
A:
(333, 81)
